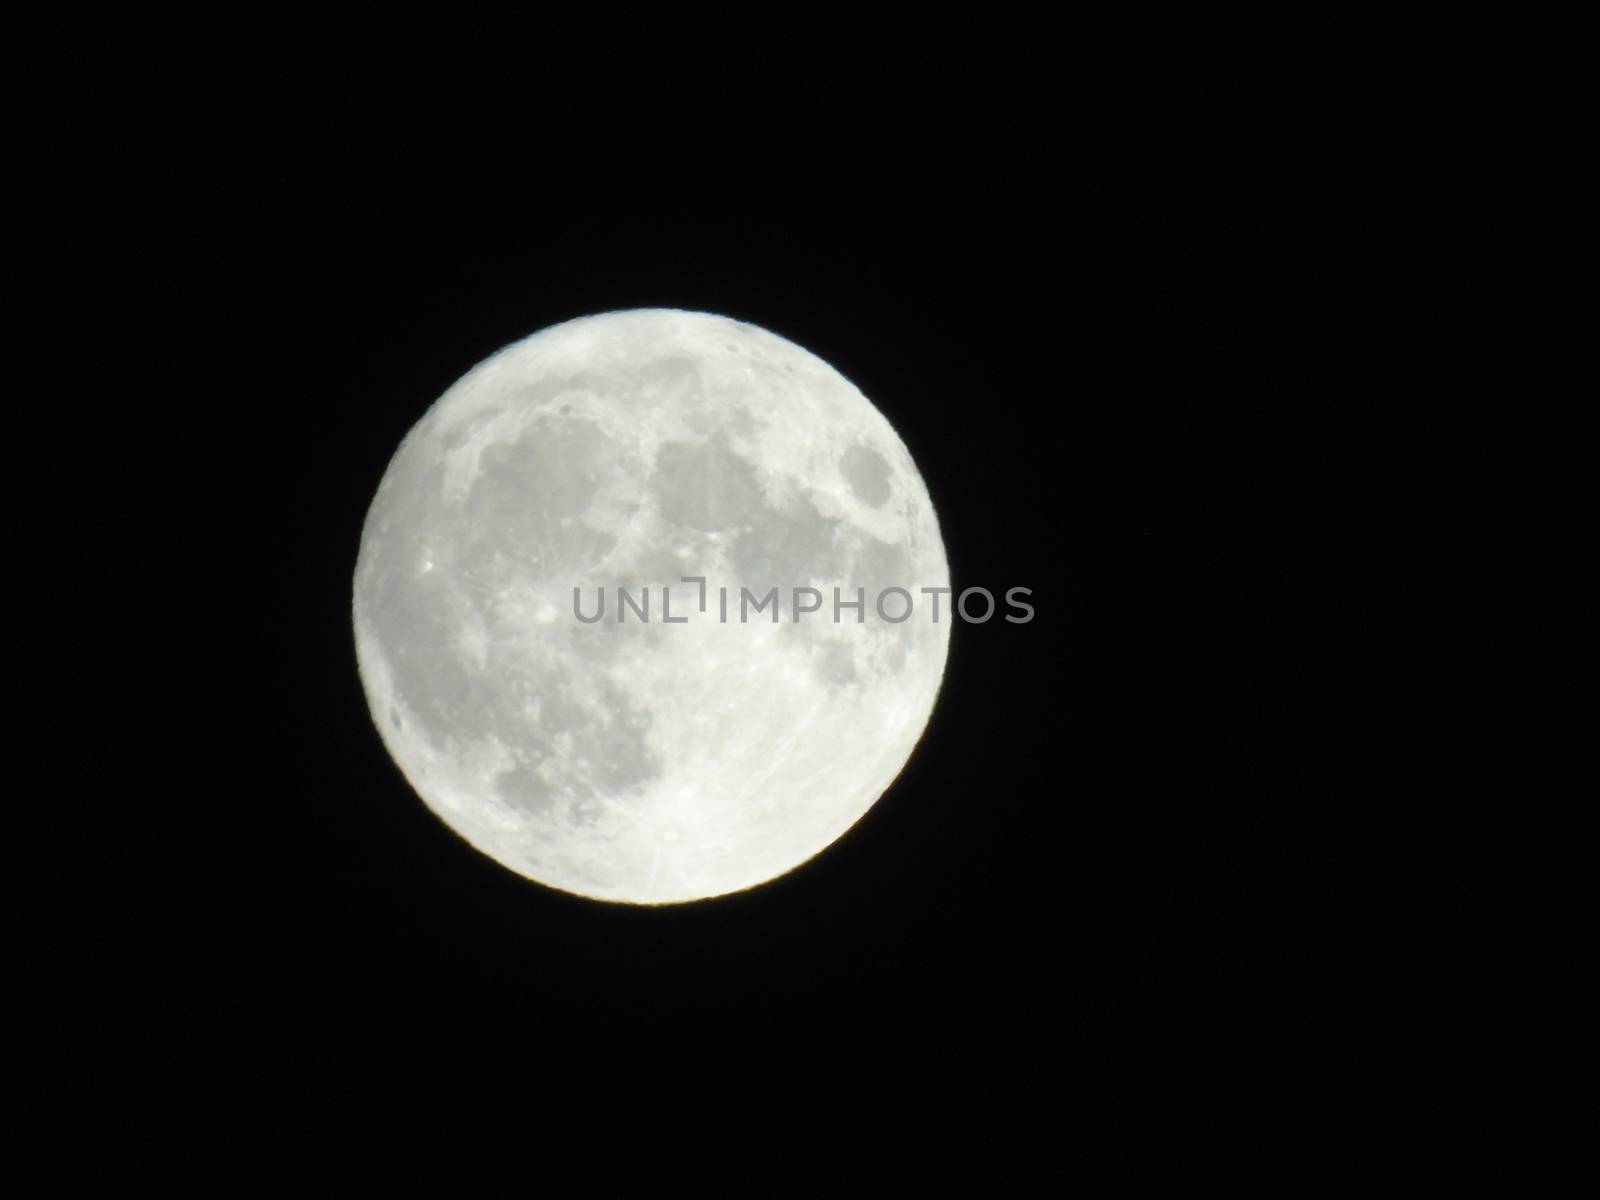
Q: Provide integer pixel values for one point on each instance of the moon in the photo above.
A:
(700, 744)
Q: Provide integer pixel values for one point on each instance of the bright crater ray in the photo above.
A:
(638, 760)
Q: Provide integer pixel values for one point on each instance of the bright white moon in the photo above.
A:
(635, 759)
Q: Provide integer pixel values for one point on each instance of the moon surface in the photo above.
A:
(645, 760)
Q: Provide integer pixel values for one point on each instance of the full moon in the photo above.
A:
(672, 470)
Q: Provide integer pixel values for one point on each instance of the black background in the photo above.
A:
(1143, 347)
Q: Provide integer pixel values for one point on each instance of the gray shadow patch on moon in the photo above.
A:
(867, 474)
(705, 485)
(417, 629)
(575, 757)
(786, 547)
(543, 498)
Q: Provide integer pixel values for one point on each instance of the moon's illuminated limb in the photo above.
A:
(647, 762)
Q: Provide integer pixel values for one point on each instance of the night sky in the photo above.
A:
(1142, 345)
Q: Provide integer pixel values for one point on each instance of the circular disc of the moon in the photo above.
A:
(635, 758)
